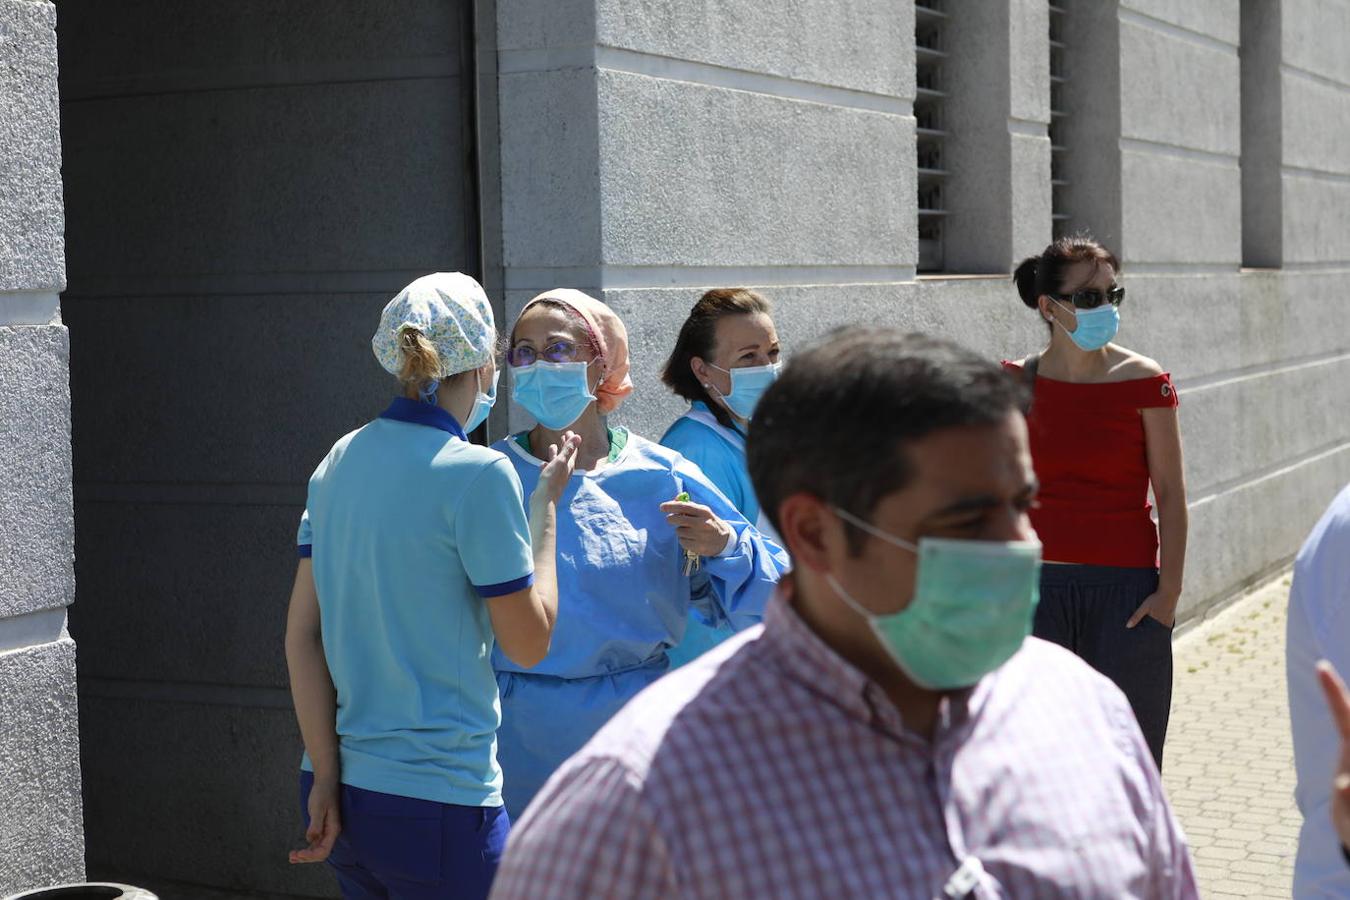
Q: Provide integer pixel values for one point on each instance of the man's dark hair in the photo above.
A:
(837, 422)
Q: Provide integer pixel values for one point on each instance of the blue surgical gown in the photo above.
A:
(720, 453)
(623, 602)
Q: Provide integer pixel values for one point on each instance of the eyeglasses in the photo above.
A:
(1091, 298)
(557, 352)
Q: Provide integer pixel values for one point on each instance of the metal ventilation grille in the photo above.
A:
(1059, 75)
(929, 57)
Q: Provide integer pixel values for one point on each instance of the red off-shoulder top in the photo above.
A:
(1087, 444)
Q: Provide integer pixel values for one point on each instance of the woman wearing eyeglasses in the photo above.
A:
(1103, 425)
(725, 358)
(633, 560)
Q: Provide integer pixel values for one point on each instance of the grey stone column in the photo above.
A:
(41, 830)
(651, 150)
(1092, 158)
(1262, 133)
(1314, 114)
(998, 76)
(1180, 138)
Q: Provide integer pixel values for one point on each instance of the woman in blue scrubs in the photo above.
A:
(724, 360)
(632, 559)
(416, 557)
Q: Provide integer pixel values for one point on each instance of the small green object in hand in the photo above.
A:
(691, 559)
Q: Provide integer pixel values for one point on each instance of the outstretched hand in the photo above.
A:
(1338, 701)
(324, 823)
(555, 473)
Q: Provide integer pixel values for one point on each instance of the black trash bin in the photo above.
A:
(101, 890)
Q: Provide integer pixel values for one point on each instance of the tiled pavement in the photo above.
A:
(1229, 764)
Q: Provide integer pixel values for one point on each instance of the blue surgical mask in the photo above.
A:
(1096, 327)
(747, 387)
(482, 404)
(972, 607)
(556, 394)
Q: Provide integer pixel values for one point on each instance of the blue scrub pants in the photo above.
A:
(401, 848)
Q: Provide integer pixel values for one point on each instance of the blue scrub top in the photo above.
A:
(623, 602)
(411, 528)
(720, 458)
(720, 453)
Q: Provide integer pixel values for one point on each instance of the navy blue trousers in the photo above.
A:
(1085, 608)
(401, 848)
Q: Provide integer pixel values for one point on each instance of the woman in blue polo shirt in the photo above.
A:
(725, 358)
(416, 557)
(633, 558)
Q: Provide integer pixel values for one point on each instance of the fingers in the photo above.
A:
(562, 456)
(685, 521)
(1338, 699)
(1139, 614)
(683, 508)
(330, 833)
(322, 834)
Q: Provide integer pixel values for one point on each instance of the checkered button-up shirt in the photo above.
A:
(773, 768)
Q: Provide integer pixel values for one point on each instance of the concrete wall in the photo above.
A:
(1260, 52)
(41, 829)
(998, 110)
(1261, 357)
(246, 186)
(728, 152)
(734, 143)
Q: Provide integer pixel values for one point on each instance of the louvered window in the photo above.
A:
(929, 60)
(1059, 182)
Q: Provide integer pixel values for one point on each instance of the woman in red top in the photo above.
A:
(1103, 425)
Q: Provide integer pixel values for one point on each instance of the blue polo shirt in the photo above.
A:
(411, 529)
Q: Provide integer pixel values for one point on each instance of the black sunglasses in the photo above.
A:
(1091, 298)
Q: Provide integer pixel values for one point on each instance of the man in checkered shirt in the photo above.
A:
(840, 750)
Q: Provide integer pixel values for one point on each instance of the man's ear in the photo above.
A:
(810, 530)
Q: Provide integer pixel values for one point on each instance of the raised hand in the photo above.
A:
(555, 473)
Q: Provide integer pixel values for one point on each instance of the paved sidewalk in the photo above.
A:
(1229, 764)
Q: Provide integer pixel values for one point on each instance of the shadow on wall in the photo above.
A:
(245, 188)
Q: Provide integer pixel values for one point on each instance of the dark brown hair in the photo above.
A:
(1044, 274)
(699, 334)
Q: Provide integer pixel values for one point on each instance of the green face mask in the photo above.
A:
(972, 607)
